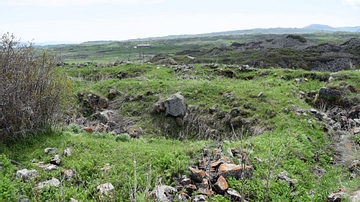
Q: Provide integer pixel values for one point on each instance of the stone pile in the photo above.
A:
(208, 177)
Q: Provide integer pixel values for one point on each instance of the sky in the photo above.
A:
(91, 20)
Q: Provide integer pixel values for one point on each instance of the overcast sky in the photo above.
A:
(89, 20)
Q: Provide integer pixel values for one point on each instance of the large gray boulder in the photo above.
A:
(175, 105)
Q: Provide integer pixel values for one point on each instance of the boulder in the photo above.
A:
(329, 94)
(26, 174)
(175, 105)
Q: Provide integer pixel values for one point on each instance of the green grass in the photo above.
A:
(283, 140)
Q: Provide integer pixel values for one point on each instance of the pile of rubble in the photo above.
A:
(208, 177)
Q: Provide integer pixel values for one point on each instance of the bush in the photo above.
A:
(124, 137)
(32, 89)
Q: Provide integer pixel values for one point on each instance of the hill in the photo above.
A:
(210, 118)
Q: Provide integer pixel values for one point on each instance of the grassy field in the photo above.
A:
(269, 128)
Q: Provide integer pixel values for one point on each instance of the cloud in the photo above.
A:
(353, 3)
(63, 3)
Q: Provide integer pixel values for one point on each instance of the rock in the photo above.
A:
(68, 174)
(282, 176)
(196, 175)
(26, 174)
(56, 160)
(135, 132)
(199, 198)
(334, 197)
(175, 105)
(49, 149)
(355, 197)
(236, 171)
(221, 185)
(190, 189)
(234, 195)
(47, 167)
(213, 109)
(112, 94)
(163, 193)
(318, 171)
(104, 116)
(103, 103)
(159, 107)
(73, 200)
(182, 197)
(67, 151)
(89, 129)
(23, 200)
(356, 130)
(53, 182)
(105, 189)
(354, 166)
(329, 94)
(235, 112)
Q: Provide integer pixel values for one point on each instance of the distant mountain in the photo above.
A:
(319, 27)
(305, 30)
(328, 28)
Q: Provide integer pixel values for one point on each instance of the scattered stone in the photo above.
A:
(105, 189)
(260, 94)
(221, 185)
(196, 175)
(199, 198)
(47, 167)
(112, 94)
(213, 109)
(282, 176)
(235, 112)
(234, 195)
(26, 174)
(49, 149)
(67, 151)
(236, 171)
(56, 160)
(68, 174)
(355, 197)
(135, 132)
(356, 130)
(334, 197)
(53, 182)
(103, 103)
(163, 193)
(318, 171)
(73, 200)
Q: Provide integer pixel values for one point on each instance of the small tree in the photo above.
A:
(32, 90)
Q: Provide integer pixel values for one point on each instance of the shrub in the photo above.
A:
(123, 137)
(32, 89)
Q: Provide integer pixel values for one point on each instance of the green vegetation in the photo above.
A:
(273, 125)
